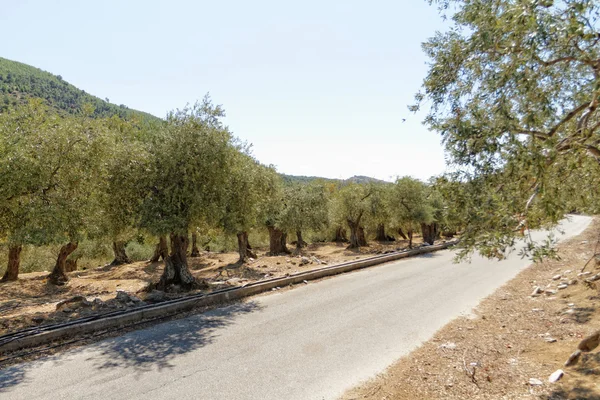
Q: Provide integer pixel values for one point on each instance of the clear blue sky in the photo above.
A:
(318, 87)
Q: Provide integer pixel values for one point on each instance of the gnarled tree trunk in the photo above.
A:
(58, 276)
(430, 232)
(14, 261)
(410, 238)
(340, 235)
(120, 254)
(354, 234)
(402, 234)
(244, 248)
(161, 250)
(176, 270)
(381, 236)
(300, 243)
(277, 241)
(362, 239)
(195, 250)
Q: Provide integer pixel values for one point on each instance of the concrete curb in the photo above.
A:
(180, 305)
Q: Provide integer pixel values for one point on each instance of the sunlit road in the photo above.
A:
(313, 342)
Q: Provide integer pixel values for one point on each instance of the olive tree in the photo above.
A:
(409, 206)
(305, 207)
(183, 182)
(513, 89)
(350, 205)
(246, 185)
(49, 171)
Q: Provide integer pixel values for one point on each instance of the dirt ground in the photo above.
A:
(513, 337)
(31, 301)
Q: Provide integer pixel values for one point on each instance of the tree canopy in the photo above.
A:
(513, 88)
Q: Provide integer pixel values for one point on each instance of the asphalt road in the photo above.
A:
(313, 342)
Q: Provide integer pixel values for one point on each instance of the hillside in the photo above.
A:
(19, 82)
(309, 179)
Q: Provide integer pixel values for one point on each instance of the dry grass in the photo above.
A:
(505, 345)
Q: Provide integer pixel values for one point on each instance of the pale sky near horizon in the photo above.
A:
(318, 87)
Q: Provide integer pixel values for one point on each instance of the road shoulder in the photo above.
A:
(513, 342)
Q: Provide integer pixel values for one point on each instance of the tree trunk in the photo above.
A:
(58, 276)
(161, 250)
(195, 250)
(362, 239)
(120, 254)
(277, 241)
(410, 238)
(340, 235)
(176, 270)
(402, 234)
(14, 261)
(381, 236)
(244, 248)
(430, 232)
(354, 234)
(300, 243)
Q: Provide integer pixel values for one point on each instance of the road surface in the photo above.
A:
(312, 342)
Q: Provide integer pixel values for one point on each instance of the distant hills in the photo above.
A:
(19, 81)
(309, 179)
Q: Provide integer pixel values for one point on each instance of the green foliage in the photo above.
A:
(20, 82)
(410, 205)
(182, 181)
(514, 91)
(350, 202)
(305, 207)
(48, 170)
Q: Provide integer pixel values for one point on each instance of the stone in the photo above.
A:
(304, 261)
(556, 375)
(584, 273)
(537, 291)
(535, 382)
(563, 286)
(550, 340)
(572, 282)
(550, 292)
(568, 271)
(38, 319)
(590, 342)
(556, 277)
(156, 296)
(573, 358)
(73, 303)
(305, 282)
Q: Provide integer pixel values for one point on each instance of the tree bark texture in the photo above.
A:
(120, 254)
(176, 270)
(277, 241)
(381, 236)
(14, 262)
(402, 234)
(58, 276)
(195, 249)
(300, 243)
(430, 232)
(244, 248)
(354, 234)
(410, 238)
(161, 250)
(340, 235)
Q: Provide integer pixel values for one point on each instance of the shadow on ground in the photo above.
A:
(157, 346)
(11, 376)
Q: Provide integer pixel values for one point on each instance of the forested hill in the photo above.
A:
(309, 179)
(19, 82)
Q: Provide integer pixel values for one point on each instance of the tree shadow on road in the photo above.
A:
(11, 376)
(157, 346)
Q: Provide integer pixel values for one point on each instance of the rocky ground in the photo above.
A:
(515, 344)
(31, 301)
